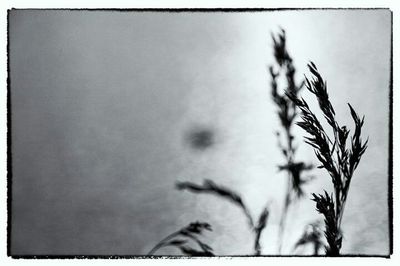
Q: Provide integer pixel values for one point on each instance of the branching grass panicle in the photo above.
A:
(339, 160)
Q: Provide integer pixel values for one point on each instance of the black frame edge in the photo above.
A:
(180, 10)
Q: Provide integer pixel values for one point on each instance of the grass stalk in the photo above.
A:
(338, 158)
(287, 113)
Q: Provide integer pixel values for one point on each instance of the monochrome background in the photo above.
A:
(102, 103)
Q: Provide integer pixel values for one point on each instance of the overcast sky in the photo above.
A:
(102, 103)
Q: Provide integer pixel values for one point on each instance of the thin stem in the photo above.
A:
(316, 248)
(163, 242)
(257, 245)
(289, 158)
(342, 206)
(282, 222)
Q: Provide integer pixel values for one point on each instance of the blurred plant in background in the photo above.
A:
(312, 235)
(182, 238)
(209, 187)
(287, 113)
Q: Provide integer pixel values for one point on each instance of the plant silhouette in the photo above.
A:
(312, 234)
(181, 239)
(333, 154)
(339, 160)
(209, 187)
(287, 113)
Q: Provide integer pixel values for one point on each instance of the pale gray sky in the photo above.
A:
(102, 102)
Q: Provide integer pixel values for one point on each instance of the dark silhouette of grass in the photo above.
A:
(335, 157)
(181, 239)
(209, 187)
(287, 113)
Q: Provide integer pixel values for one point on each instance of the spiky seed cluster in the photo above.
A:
(281, 54)
(318, 87)
(326, 207)
(358, 147)
(182, 237)
(196, 228)
(318, 139)
(334, 156)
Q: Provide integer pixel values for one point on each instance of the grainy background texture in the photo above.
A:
(102, 103)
